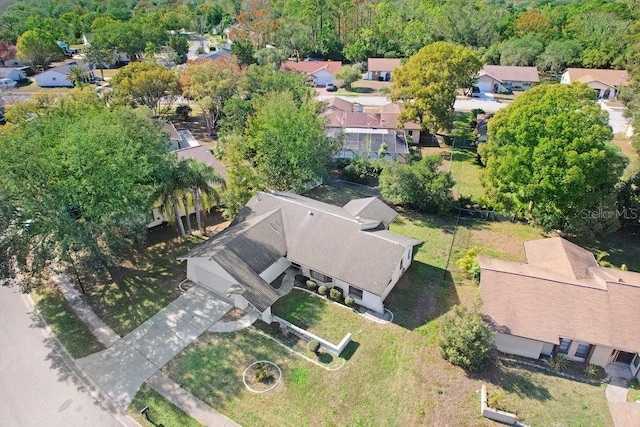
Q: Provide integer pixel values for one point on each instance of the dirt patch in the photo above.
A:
(232, 315)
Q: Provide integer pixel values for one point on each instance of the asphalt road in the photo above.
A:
(37, 388)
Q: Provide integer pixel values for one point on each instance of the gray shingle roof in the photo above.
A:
(371, 207)
(326, 238)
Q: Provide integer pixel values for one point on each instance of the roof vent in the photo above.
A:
(358, 218)
(310, 213)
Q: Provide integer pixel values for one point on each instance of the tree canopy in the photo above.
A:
(548, 156)
(38, 48)
(77, 183)
(148, 84)
(420, 185)
(428, 83)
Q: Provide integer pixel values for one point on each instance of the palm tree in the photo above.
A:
(183, 176)
(202, 178)
(77, 75)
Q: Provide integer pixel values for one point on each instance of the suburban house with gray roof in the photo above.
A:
(562, 302)
(348, 247)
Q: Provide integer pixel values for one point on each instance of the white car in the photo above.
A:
(7, 83)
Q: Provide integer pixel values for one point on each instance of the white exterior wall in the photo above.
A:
(369, 300)
(565, 78)
(519, 346)
(209, 273)
(53, 79)
(601, 88)
(485, 83)
(277, 268)
(547, 349)
(322, 77)
(601, 356)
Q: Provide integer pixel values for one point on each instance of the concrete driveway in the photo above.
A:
(618, 122)
(121, 369)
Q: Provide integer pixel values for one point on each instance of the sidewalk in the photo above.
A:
(128, 362)
(623, 413)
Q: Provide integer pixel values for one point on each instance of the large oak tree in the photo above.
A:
(429, 81)
(548, 156)
(77, 183)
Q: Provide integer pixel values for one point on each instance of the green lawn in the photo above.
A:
(138, 288)
(161, 411)
(466, 172)
(62, 320)
(543, 399)
(315, 314)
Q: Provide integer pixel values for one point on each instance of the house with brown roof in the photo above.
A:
(560, 301)
(493, 78)
(364, 132)
(382, 68)
(606, 83)
(347, 247)
(320, 73)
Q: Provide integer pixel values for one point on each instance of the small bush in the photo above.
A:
(312, 285)
(465, 339)
(559, 362)
(183, 111)
(496, 400)
(322, 290)
(477, 111)
(313, 346)
(348, 301)
(335, 294)
(469, 263)
(262, 373)
(591, 370)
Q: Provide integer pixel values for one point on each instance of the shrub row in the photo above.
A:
(334, 293)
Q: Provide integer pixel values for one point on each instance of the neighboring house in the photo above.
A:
(320, 73)
(364, 132)
(606, 83)
(562, 302)
(213, 55)
(58, 76)
(183, 143)
(348, 247)
(382, 68)
(493, 78)
(16, 74)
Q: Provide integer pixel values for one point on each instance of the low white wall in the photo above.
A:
(334, 349)
(494, 414)
(274, 270)
(516, 345)
(547, 349)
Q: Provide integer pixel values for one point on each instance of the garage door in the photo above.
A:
(485, 86)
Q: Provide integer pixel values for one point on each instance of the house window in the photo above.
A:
(583, 350)
(563, 348)
(410, 132)
(355, 293)
(320, 277)
(635, 362)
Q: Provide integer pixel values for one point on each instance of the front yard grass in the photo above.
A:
(315, 314)
(138, 288)
(62, 320)
(161, 411)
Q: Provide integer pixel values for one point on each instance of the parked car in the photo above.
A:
(7, 83)
(331, 87)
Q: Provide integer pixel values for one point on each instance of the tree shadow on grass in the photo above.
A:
(513, 379)
(424, 293)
